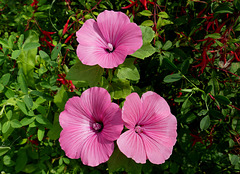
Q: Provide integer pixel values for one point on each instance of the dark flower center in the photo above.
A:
(138, 129)
(110, 48)
(97, 126)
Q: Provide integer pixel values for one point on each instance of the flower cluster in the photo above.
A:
(91, 123)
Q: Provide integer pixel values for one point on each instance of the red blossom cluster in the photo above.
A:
(62, 79)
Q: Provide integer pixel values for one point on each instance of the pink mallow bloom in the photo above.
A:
(108, 41)
(152, 128)
(91, 124)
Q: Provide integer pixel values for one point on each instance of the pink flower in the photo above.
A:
(91, 124)
(152, 128)
(108, 41)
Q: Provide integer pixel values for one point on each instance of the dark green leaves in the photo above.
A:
(172, 78)
(205, 123)
(127, 70)
(223, 100)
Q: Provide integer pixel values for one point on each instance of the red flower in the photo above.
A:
(35, 2)
(62, 79)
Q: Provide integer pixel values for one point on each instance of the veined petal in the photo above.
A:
(129, 38)
(163, 131)
(112, 122)
(96, 150)
(132, 110)
(95, 101)
(111, 23)
(131, 145)
(157, 153)
(154, 109)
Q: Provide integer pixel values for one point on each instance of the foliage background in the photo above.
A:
(190, 56)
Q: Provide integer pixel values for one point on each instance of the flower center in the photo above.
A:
(110, 48)
(97, 126)
(138, 129)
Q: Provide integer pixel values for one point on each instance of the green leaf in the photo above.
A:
(185, 66)
(145, 51)
(147, 34)
(119, 160)
(56, 50)
(163, 22)
(213, 36)
(15, 54)
(5, 79)
(15, 123)
(234, 159)
(5, 127)
(4, 150)
(40, 133)
(61, 98)
(40, 119)
(22, 81)
(163, 14)
(146, 13)
(22, 107)
(224, 8)
(128, 71)
(44, 55)
(119, 89)
(172, 78)
(147, 23)
(29, 46)
(21, 160)
(167, 45)
(205, 123)
(169, 64)
(28, 101)
(222, 99)
(236, 4)
(26, 121)
(54, 132)
(81, 72)
(20, 41)
(4, 43)
(9, 114)
(30, 168)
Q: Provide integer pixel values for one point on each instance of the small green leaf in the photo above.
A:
(5, 79)
(234, 159)
(29, 46)
(145, 51)
(213, 36)
(169, 64)
(222, 99)
(4, 150)
(5, 127)
(185, 66)
(15, 123)
(20, 41)
(147, 34)
(146, 13)
(21, 160)
(44, 55)
(9, 114)
(22, 107)
(28, 101)
(205, 123)
(22, 81)
(15, 54)
(61, 98)
(119, 89)
(26, 121)
(41, 131)
(56, 50)
(128, 71)
(147, 23)
(167, 45)
(172, 78)
(163, 14)
(4, 43)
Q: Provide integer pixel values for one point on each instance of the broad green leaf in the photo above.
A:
(147, 34)
(7, 160)
(15, 54)
(54, 132)
(40, 119)
(146, 13)
(22, 107)
(22, 81)
(10, 41)
(4, 43)
(163, 22)
(185, 66)
(234, 159)
(5, 127)
(56, 50)
(163, 14)
(128, 71)
(30, 168)
(44, 55)
(205, 123)
(15, 123)
(5, 79)
(145, 51)
(40, 133)
(172, 78)
(4, 150)
(213, 36)
(169, 64)
(167, 45)
(118, 160)
(26, 121)
(20, 41)
(147, 23)
(61, 98)
(119, 89)
(186, 106)
(222, 99)
(81, 72)
(9, 114)
(21, 160)
(28, 101)
(29, 46)
(26, 59)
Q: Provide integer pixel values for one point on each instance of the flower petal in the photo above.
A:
(112, 121)
(129, 38)
(91, 43)
(73, 138)
(96, 150)
(154, 109)
(157, 153)
(95, 101)
(111, 23)
(164, 131)
(131, 145)
(132, 110)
